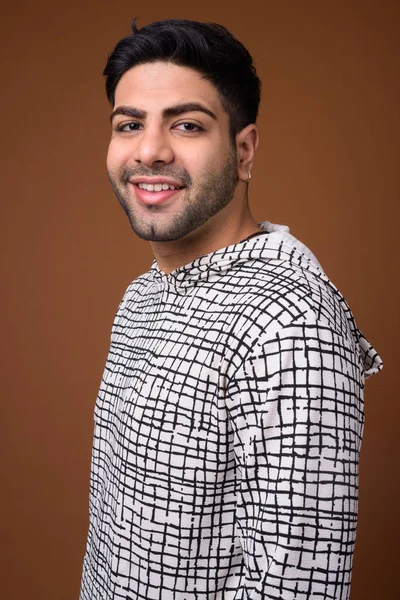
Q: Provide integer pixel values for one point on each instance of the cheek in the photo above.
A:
(211, 161)
(117, 156)
(203, 160)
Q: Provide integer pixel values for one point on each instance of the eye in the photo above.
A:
(127, 127)
(188, 127)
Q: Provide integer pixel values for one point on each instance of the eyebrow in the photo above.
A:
(172, 111)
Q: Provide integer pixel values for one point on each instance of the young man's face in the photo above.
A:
(170, 130)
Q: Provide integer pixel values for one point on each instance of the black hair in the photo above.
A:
(209, 48)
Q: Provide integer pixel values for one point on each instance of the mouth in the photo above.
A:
(155, 191)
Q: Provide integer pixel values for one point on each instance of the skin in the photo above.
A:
(169, 121)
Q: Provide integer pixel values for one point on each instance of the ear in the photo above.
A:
(246, 147)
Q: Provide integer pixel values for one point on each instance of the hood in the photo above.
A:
(277, 245)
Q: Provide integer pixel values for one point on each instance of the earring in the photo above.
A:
(248, 178)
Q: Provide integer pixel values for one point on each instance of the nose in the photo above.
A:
(153, 147)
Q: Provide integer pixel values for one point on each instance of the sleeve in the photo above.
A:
(296, 409)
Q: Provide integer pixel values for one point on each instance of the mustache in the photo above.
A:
(164, 171)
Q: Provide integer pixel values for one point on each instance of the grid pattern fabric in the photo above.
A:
(227, 432)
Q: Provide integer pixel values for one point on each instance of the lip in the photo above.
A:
(154, 198)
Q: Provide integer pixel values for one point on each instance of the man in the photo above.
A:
(229, 419)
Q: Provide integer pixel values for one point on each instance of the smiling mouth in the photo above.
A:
(156, 187)
(152, 194)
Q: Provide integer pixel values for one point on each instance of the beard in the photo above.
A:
(198, 203)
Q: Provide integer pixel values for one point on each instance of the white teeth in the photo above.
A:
(156, 187)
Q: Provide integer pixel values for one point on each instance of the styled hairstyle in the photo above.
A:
(209, 48)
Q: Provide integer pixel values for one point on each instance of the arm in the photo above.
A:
(296, 407)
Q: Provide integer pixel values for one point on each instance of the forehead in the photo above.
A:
(154, 86)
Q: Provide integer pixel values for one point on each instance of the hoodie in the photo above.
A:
(228, 428)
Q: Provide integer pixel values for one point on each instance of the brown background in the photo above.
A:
(327, 166)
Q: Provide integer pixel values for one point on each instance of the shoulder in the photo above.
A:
(282, 283)
(137, 292)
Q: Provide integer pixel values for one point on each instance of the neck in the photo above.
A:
(218, 232)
